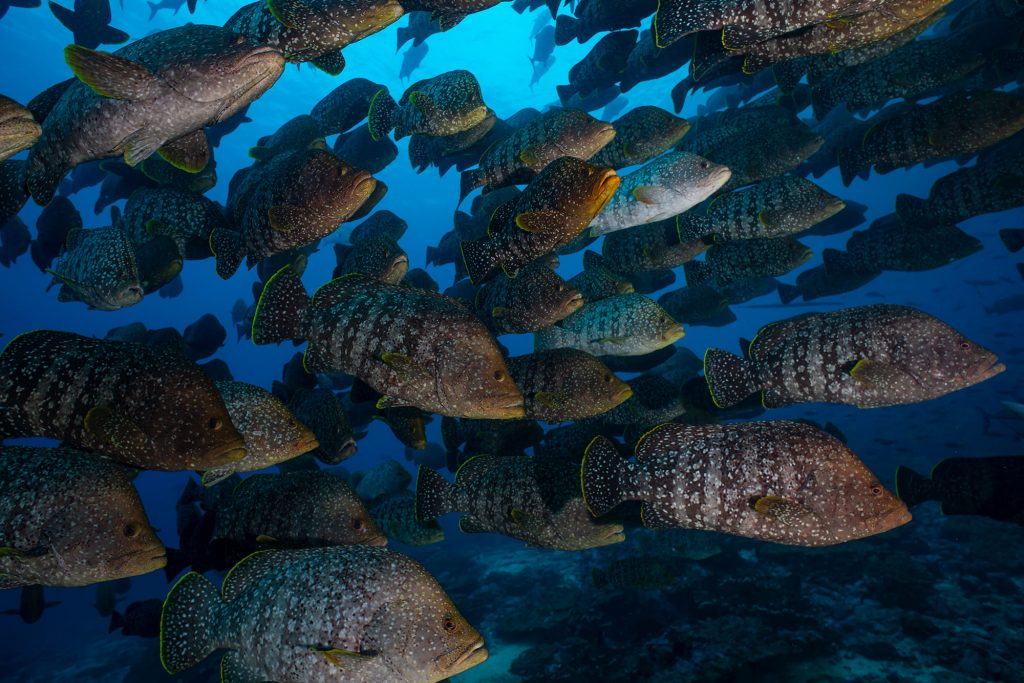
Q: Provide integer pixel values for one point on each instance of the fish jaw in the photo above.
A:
(673, 334)
(475, 654)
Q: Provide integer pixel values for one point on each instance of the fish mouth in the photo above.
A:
(834, 206)
(720, 176)
(989, 370)
(377, 541)
(896, 517)
(613, 533)
(625, 288)
(258, 55)
(623, 395)
(574, 302)
(805, 256)
(604, 134)
(306, 445)
(604, 188)
(232, 452)
(475, 654)
(673, 333)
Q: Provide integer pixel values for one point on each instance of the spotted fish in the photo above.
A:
(18, 129)
(99, 268)
(868, 356)
(147, 407)
(785, 482)
(566, 384)
(536, 298)
(354, 613)
(446, 104)
(69, 518)
(641, 134)
(621, 325)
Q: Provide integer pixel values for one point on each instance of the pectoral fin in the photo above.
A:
(781, 510)
(539, 221)
(109, 426)
(407, 369)
(346, 660)
(189, 153)
(649, 194)
(549, 399)
(284, 217)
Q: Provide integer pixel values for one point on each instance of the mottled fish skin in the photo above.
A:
(641, 134)
(13, 194)
(321, 410)
(98, 267)
(650, 247)
(377, 256)
(383, 480)
(766, 154)
(566, 384)
(448, 13)
(186, 217)
(912, 71)
(661, 189)
(271, 432)
(557, 133)
(654, 400)
(312, 29)
(149, 408)
(380, 223)
(446, 104)
(301, 132)
(357, 613)
(602, 66)
(621, 325)
(18, 130)
(496, 437)
(891, 244)
(597, 280)
(414, 347)
(596, 16)
(536, 298)
(426, 150)
(396, 516)
(784, 482)
(988, 187)
(344, 107)
(749, 21)
(731, 262)
(536, 500)
(293, 510)
(697, 305)
(957, 124)
(69, 518)
(289, 202)
(819, 282)
(182, 79)
(777, 207)
(554, 209)
(869, 356)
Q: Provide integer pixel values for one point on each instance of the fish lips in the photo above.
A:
(475, 654)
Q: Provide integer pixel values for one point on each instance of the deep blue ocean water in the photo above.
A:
(982, 557)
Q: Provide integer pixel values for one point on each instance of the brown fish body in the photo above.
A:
(531, 301)
(69, 518)
(566, 384)
(149, 408)
(415, 347)
(784, 482)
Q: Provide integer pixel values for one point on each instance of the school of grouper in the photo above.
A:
(312, 594)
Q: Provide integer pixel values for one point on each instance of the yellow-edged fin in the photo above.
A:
(342, 659)
(519, 517)
(645, 435)
(189, 153)
(529, 156)
(402, 365)
(110, 75)
(647, 194)
(861, 371)
(538, 221)
(549, 399)
(264, 538)
(499, 312)
(779, 509)
(291, 13)
(762, 218)
(282, 217)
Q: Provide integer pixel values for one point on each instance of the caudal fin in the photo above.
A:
(381, 115)
(911, 209)
(822, 101)
(1013, 239)
(469, 181)
(177, 561)
(913, 488)
(601, 476)
(116, 621)
(228, 249)
(677, 19)
(480, 260)
(787, 293)
(433, 495)
(189, 623)
(730, 378)
(281, 310)
(565, 29)
(850, 164)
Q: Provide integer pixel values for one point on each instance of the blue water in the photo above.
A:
(495, 45)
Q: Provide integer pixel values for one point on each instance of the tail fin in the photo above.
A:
(565, 93)
(112, 36)
(480, 260)
(730, 378)
(678, 19)
(821, 101)
(380, 117)
(1013, 239)
(188, 623)
(850, 164)
(679, 92)
(404, 35)
(601, 476)
(65, 16)
(193, 493)
(228, 249)
(116, 620)
(565, 29)
(433, 495)
(281, 310)
(469, 181)
(598, 577)
(913, 488)
(431, 255)
(153, 9)
(41, 180)
(552, 6)
(787, 293)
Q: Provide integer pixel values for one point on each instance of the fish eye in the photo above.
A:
(704, 164)
(876, 490)
(214, 424)
(608, 378)
(357, 524)
(965, 345)
(130, 531)
(449, 624)
(561, 287)
(239, 39)
(499, 375)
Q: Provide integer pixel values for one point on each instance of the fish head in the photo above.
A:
(119, 296)
(336, 189)
(396, 268)
(422, 631)
(188, 423)
(121, 541)
(666, 328)
(211, 64)
(941, 360)
(473, 380)
(574, 528)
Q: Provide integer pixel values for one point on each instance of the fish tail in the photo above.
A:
(431, 255)
(281, 310)
(850, 164)
(821, 102)
(479, 258)
(177, 561)
(192, 493)
(227, 248)
(469, 181)
(403, 37)
(787, 293)
(116, 621)
(433, 495)
(911, 209)
(730, 378)
(598, 577)
(601, 475)
(381, 115)
(565, 29)
(565, 93)
(679, 92)
(1012, 238)
(189, 623)
(679, 18)
(41, 179)
(913, 488)
(66, 17)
